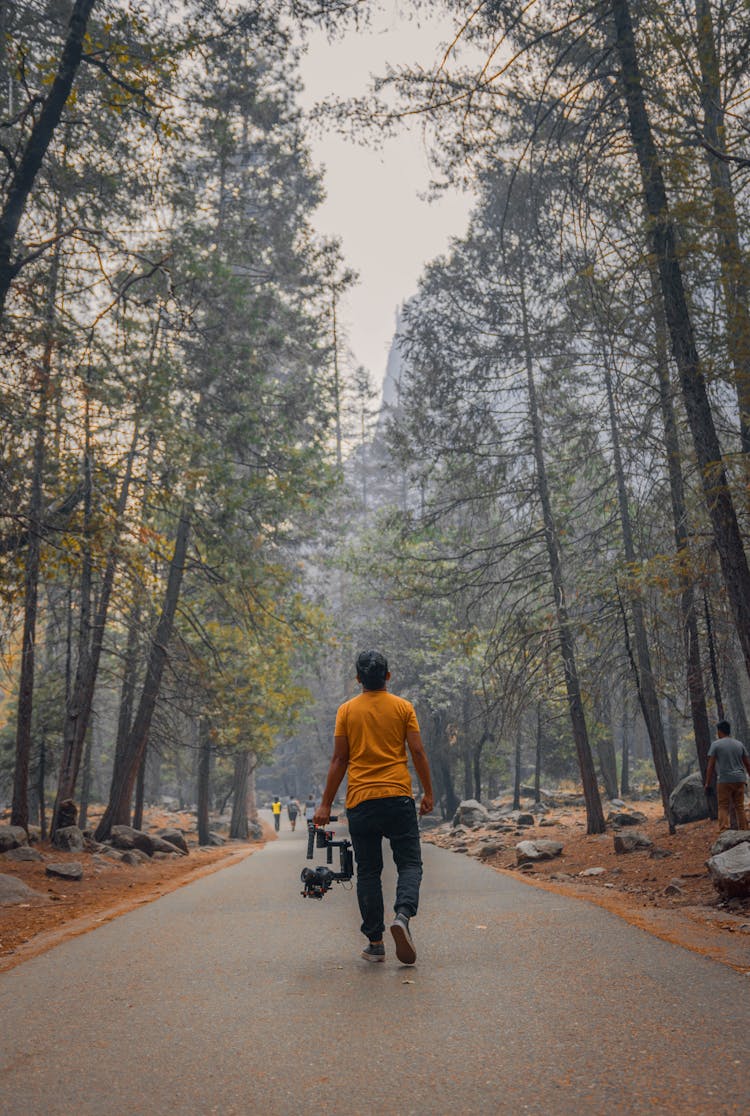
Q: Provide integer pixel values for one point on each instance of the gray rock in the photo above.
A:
(616, 802)
(660, 854)
(174, 855)
(525, 819)
(12, 837)
(632, 817)
(592, 872)
(70, 870)
(125, 837)
(688, 800)
(216, 840)
(22, 853)
(35, 834)
(254, 831)
(538, 808)
(728, 839)
(110, 853)
(547, 822)
(629, 842)
(175, 837)
(540, 849)
(16, 891)
(133, 857)
(161, 845)
(471, 813)
(730, 871)
(489, 848)
(69, 838)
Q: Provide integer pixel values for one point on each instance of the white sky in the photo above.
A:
(373, 205)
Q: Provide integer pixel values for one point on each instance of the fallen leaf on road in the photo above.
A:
(480, 927)
(408, 982)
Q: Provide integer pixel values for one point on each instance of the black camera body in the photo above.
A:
(317, 881)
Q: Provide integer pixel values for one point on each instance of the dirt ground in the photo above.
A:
(108, 888)
(670, 896)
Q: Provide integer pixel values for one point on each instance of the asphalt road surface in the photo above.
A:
(235, 996)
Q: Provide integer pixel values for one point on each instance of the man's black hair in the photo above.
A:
(725, 727)
(372, 668)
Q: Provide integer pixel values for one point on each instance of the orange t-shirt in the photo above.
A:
(375, 724)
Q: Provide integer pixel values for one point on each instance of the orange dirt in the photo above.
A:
(633, 884)
(108, 889)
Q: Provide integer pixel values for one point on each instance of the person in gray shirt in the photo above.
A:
(729, 759)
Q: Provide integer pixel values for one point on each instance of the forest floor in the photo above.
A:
(670, 896)
(108, 889)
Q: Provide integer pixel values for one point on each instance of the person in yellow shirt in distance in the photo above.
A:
(370, 740)
(276, 808)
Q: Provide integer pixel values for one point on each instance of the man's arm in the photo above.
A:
(422, 767)
(710, 772)
(336, 772)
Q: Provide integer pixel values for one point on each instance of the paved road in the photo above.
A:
(235, 996)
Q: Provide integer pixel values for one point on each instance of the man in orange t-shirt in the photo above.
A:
(369, 744)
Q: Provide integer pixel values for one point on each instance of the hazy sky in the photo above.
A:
(387, 230)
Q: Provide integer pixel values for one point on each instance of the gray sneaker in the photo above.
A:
(405, 950)
(374, 952)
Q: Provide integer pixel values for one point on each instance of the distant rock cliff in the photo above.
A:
(393, 370)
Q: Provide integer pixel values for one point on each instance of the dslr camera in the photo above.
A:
(317, 881)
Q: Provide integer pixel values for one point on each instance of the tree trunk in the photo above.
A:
(625, 754)
(734, 272)
(238, 828)
(693, 664)
(736, 705)
(594, 812)
(20, 803)
(672, 739)
(450, 797)
(645, 678)
(72, 741)
(30, 160)
(86, 781)
(140, 791)
(91, 641)
(476, 758)
(608, 764)
(538, 755)
(713, 659)
(124, 774)
(517, 771)
(726, 533)
(204, 773)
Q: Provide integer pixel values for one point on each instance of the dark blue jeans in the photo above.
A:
(369, 823)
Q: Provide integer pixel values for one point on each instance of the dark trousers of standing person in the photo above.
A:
(371, 821)
(276, 821)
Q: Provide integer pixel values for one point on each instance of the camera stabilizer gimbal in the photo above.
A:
(317, 881)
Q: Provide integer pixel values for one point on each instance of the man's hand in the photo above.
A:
(425, 806)
(322, 815)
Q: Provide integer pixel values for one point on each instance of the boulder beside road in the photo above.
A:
(125, 837)
(13, 890)
(70, 870)
(69, 839)
(688, 801)
(629, 842)
(728, 839)
(12, 837)
(471, 813)
(730, 871)
(529, 851)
